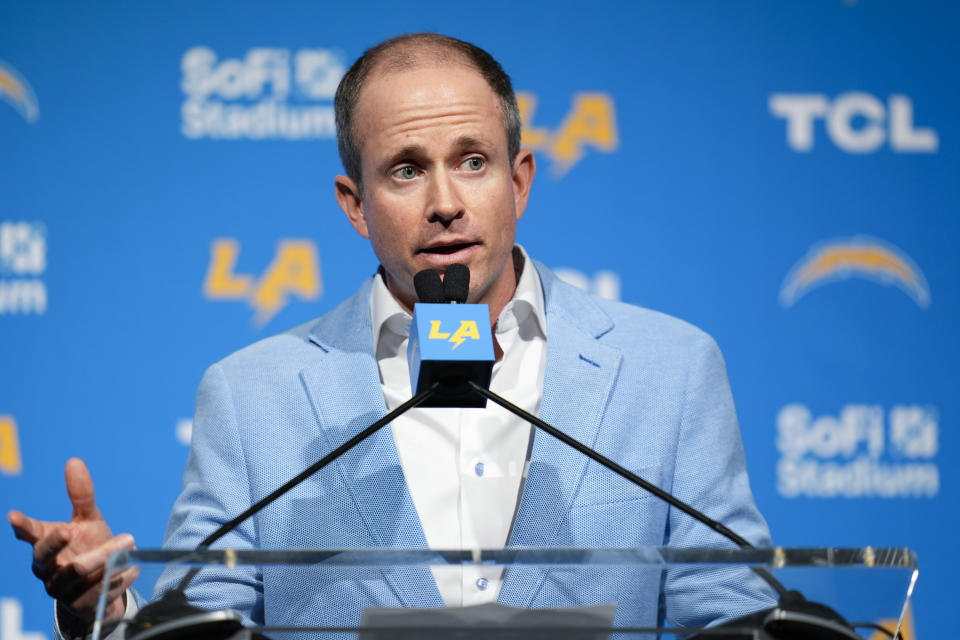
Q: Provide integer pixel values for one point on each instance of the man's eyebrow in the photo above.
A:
(413, 151)
(465, 143)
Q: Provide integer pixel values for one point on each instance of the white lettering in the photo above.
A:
(827, 437)
(840, 122)
(11, 622)
(318, 73)
(914, 431)
(234, 78)
(856, 122)
(23, 296)
(903, 137)
(841, 456)
(859, 478)
(605, 284)
(23, 248)
(267, 119)
(184, 430)
(800, 111)
(253, 98)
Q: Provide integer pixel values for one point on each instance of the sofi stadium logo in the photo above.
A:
(294, 270)
(265, 94)
(23, 260)
(16, 92)
(855, 122)
(862, 451)
(856, 257)
(590, 124)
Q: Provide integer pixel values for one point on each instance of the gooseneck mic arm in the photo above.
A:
(173, 617)
(227, 527)
(794, 616)
(631, 477)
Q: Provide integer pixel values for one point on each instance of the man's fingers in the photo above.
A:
(70, 582)
(121, 582)
(81, 593)
(87, 563)
(46, 549)
(125, 578)
(80, 490)
(24, 528)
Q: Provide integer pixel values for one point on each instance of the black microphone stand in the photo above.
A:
(794, 618)
(173, 617)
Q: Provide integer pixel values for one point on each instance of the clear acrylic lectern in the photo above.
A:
(645, 592)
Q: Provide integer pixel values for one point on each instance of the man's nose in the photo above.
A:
(445, 204)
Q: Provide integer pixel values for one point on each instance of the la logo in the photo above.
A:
(11, 462)
(295, 270)
(591, 122)
(468, 329)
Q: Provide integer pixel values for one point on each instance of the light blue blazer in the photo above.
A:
(646, 390)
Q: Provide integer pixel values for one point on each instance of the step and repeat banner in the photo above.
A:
(781, 174)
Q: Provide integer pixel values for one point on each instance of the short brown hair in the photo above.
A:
(407, 51)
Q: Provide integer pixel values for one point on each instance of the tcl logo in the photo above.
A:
(855, 122)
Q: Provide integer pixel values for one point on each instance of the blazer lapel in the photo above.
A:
(580, 374)
(344, 391)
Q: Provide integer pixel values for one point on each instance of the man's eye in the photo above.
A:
(406, 173)
(474, 163)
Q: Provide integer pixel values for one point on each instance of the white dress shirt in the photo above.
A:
(465, 467)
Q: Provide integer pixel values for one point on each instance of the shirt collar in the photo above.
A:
(525, 309)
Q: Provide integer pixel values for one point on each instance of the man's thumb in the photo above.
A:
(80, 490)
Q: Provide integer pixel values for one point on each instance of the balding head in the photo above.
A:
(407, 52)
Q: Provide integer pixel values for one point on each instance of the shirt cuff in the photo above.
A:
(117, 634)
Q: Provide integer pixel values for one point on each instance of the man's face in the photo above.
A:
(438, 185)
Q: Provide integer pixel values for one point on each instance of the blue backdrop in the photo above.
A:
(782, 174)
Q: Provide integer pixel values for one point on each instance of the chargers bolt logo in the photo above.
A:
(17, 92)
(860, 257)
(468, 329)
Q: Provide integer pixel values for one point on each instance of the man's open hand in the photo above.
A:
(69, 557)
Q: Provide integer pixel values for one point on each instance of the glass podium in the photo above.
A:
(628, 593)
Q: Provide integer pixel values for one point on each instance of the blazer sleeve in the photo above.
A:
(216, 488)
(711, 474)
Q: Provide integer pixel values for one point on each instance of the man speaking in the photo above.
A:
(429, 135)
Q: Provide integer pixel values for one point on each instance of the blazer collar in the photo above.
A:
(344, 390)
(346, 395)
(579, 367)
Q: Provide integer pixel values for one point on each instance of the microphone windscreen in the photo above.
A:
(456, 283)
(429, 287)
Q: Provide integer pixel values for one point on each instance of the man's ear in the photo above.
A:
(524, 168)
(349, 199)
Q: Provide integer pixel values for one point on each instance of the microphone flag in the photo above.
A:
(451, 344)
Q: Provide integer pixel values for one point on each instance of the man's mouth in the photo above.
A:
(444, 249)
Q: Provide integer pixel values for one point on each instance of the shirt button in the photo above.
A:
(478, 468)
(482, 584)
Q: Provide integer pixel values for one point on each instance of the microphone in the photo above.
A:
(450, 344)
(429, 287)
(456, 284)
